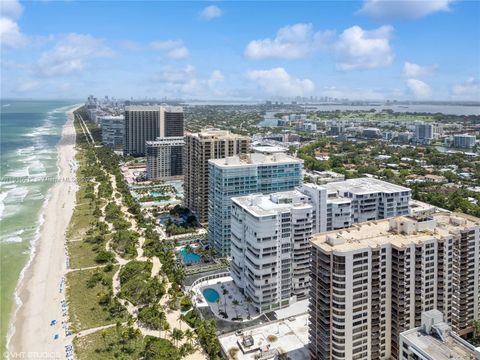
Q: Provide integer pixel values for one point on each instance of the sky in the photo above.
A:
(360, 50)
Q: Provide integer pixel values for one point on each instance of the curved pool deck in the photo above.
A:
(205, 295)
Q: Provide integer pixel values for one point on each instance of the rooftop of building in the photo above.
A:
(400, 231)
(213, 133)
(436, 340)
(438, 350)
(166, 140)
(266, 149)
(153, 108)
(254, 159)
(364, 185)
(288, 336)
(265, 205)
(111, 117)
(464, 135)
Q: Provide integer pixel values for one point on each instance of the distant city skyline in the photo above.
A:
(360, 50)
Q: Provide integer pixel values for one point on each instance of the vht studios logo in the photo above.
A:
(32, 355)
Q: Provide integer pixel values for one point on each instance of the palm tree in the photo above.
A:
(176, 335)
(189, 335)
(104, 337)
(235, 303)
(225, 293)
(476, 330)
(138, 335)
(118, 326)
(180, 320)
(186, 349)
(188, 248)
(218, 304)
(164, 326)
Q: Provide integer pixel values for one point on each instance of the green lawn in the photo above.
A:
(82, 215)
(85, 310)
(96, 347)
(81, 254)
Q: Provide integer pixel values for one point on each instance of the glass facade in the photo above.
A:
(226, 182)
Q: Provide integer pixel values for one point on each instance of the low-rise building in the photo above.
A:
(435, 340)
(371, 133)
(323, 177)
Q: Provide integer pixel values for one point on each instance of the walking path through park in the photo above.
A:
(173, 317)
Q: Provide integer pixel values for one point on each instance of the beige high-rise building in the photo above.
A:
(373, 281)
(199, 148)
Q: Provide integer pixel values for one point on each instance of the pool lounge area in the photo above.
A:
(222, 296)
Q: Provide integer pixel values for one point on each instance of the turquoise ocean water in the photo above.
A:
(29, 133)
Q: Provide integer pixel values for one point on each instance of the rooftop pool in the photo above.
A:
(211, 295)
(188, 257)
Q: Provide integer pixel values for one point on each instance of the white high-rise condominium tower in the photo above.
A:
(424, 132)
(243, 175)
(270, 247)
(340, 204)
(464, 140)
(261, 222)
(374, 280)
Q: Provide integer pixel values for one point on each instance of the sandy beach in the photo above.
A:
(42, 288)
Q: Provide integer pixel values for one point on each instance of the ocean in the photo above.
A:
(29, 133)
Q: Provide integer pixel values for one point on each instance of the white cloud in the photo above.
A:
(278, 82)
(468, 90)
(184, 82)
(173, 49)
(211, 12)
(412, 70)
(173, 75)
(353, 49)
(70, 55)
(24, 86)
(385, 10)
(129, 45)
(11, 9)
(362, 49)
(216, 76)
(10, 35)
(419, 89)
(178, 53)
(292, 42)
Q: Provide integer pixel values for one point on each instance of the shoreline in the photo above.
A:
(39, 291)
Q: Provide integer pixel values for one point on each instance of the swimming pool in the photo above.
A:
(211, 295)
(188, 257)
